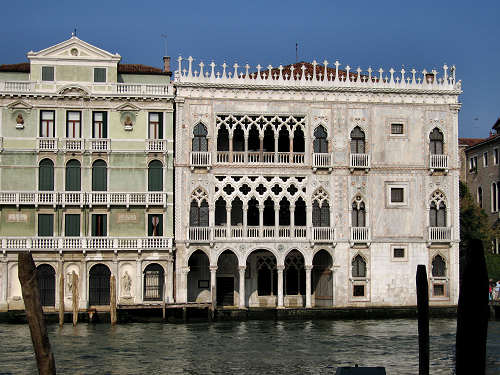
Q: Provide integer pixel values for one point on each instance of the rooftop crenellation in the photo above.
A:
(316, 75)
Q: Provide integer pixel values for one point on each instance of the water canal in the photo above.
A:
(251, 347)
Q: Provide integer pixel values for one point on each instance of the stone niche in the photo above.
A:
(126, 284)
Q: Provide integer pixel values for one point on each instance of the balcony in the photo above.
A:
(97, 198)
(73, 145)
(359, 161)
(322, 160)
(323, 234)
(99, 145)
(438, 162)
(200, 159)
(46, 144)
(156, 145)
(440, 234)
(86, 243)
(256, 157)
(29, 198)
(200, 234)
(360, 235)
(72, 198)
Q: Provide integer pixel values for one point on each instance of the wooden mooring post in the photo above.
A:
(61, 299)
(473, 313)
(112, 302)
(75, 296)
(423, 320)
(34, 313)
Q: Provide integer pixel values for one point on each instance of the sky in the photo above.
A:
(414, 34)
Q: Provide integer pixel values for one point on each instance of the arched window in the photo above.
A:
(153, 282)
(220, 212)
(46, 284)
(437, 211)
(155, 176)
(200, 142)
(99, 285)
(284, 213)
(438, 266)
(198, 213)
(358, 266)
(321, 214)
(222, 139)
(99, 176)
(73, 175)
(357, 141)
(46, 175)
(294, 275)
(238, 139)
(283, 140)
(358, 213)
(253, 213)
(480, 196)
(495, 196)
(268, 212)
(237, 212)
(300, 213)
(298, 140)
(320, 143)
(269, 139)
(436, 142)
(253, 139)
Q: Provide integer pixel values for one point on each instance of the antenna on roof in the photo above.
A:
(296, 52)
(74, 32)
(164, 36)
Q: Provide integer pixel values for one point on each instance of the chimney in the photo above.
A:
(166, 63)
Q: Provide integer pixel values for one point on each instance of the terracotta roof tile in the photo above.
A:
(138, 69)
(20, 68)
(469, 141)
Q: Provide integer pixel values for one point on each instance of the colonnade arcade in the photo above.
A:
(260, 277)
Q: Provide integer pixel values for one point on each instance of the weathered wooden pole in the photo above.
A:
(423, 320)
(75, 296)
(472, 319)
(61, 299)
(112, 302)
(31, 296)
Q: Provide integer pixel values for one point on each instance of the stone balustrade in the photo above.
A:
(438, 161)
(440, 234)
(360, 235)
(85, 243)
(359, 161)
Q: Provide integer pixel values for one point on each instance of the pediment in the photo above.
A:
(127, 107)
(74, 49)
(73, 90)
(19, 104)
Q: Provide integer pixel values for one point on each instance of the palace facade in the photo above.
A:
(86, 176)
(305, 185)
(309, 185)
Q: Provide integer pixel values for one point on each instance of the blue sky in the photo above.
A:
(419, 34)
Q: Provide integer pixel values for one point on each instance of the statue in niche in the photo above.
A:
(128, 124)
(126, 284)
(19, 121)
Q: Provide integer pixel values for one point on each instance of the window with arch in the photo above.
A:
(153, 282)
(495, 196)
(480, 196)
(46, 276)
(46, 175)
(220, 212)
(357, 141)
(198, 212)
(436, 140)
(358, 266)
(294, 274)
(155, 176)
(437, 211)
(236, 212)
(358, 213)
(267, 276)
(438, 266)
(222, 138)
(321, 209)
(73, 175)
(320, 143)
(200, 142)
(99, 175)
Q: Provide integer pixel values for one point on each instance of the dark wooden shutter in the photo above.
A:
(433, 215)
(325, 215)
(105, 124)
(72, 225)
(73, 176)
(46, 225)
(155, 176)
(159, 226)
(99, 225)
(160, 125)
(99, 176)
(204, 214)
(194, 215)
(46, 175)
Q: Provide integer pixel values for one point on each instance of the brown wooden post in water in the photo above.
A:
(112, 302)
(61, 299)
(423, 320)
(31, 295)
(473, 312)
(75, 297)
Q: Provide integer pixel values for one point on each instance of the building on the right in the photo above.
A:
(482, 175)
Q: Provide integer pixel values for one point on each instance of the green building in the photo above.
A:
(86, 176)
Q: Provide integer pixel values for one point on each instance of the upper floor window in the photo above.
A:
(495, 156)
(321, 209)
(155, 225)
(48, 73)
(473, 164)
(198, 213)
(99, 125)
(47, 127)
(358, 213)
(397, 129)
(155, 176)
(99, 74)
(99, 225)
(320, 143)
(437, 212)
(495, 196)
(436, 140)
(358, 266)
(357, 141)
(200, 142)
(46, 175)
(485, 159)
(72, 225)
(155, 125)
(99, 176)
(438, 266)
(46, 225)
(73, 175)
(73, 124)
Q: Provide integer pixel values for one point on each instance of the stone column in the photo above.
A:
(138, 280)
(246, 148)
(276, 220)
(117, 280)
(230, 148)
(245, 219)
(182, 285)
(275, 148)
(261, 220)
(261, 150)
(170, 281)
(280, 269)
(291, 148)
(308, 269)
(309, 217)
(228, 221)
(292, 221)
(84, 280)
(333, 285)
(5, 285)
(213, 285)
(211, 215)
(242, 287)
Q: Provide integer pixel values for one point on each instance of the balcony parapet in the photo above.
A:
(322, 160)
(359, 161)
(360, 235)
(44, 144)
(73, 145)
(439, 235)
(438, 162)
(256, 157)
(156, 145)
(200, 159)
(86, 243)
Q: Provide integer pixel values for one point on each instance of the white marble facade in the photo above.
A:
(244, 205)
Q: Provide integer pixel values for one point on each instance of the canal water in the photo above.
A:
(251, 347)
